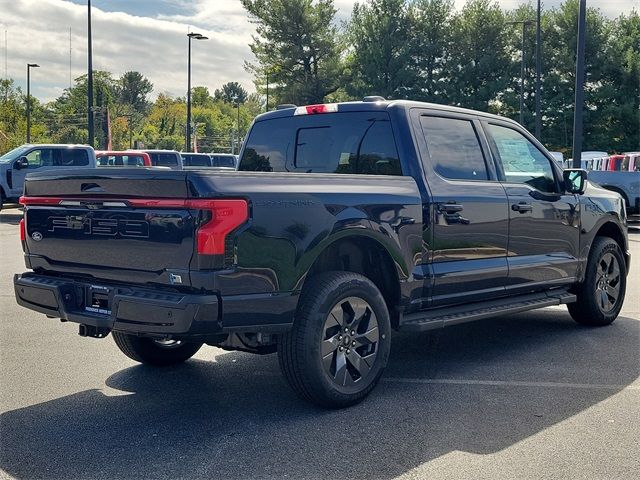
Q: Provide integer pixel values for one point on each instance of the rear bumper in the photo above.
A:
(152, 312)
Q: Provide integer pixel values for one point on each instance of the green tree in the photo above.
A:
(67, 115)
(200, 97)
(507, 102)
(619, 127)
(133, 89)
(380, 64)
(430, 44)
(297, 43)
(231, 92)
(480, 62)
(558, 82)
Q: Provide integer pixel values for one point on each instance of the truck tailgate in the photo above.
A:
(121, 225)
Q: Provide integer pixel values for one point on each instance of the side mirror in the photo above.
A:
(21, 163)
(575, 180)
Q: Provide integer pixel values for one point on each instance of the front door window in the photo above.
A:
(521, 160)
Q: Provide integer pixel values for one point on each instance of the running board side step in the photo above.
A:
(445, 316)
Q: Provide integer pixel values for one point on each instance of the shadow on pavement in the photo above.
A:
(236, 418)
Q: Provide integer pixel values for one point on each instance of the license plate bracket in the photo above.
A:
(98, 300)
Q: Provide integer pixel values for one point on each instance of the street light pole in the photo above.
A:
(538, 73)
(238, 128)
(90, 127)
(524, 31)
(196, 36)
(577, 114)
(29, 67)
(524, 23)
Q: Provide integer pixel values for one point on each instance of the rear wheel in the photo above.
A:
(161, 353)
(340, 341)
(601, 294)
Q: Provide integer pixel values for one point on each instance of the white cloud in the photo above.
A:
(155, 45)
(38, 31)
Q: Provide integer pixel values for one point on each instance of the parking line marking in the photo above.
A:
(502, 383)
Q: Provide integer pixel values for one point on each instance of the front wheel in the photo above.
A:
(340, 342)
(601, 294)
(161, 353)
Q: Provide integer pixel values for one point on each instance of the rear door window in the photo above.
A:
(351, 142)
(454, 148)
(71, 157)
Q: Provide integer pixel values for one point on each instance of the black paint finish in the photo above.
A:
(448, 241)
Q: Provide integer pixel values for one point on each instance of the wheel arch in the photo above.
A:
(612, 230)
(367, 256)
(620, 191)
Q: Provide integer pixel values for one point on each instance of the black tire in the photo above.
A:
(155, 352)
(601, 294)
(354, 359)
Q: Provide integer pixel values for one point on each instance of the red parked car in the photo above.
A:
(123, 159)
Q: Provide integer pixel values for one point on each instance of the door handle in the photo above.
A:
(450, 207)
(522, 207)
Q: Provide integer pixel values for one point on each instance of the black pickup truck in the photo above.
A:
(344, 222)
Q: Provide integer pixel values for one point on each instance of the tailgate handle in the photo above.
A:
(91, 187)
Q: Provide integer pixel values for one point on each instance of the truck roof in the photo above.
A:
(57, 145)
(379, 105)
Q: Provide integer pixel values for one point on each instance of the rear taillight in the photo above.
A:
(319, 108)
(226, 216)
(23, 230)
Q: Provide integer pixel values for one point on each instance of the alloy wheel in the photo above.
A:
(607, 282)
(350, 341)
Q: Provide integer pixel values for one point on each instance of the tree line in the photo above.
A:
(132, 118)
(426, 50)
(416, 49)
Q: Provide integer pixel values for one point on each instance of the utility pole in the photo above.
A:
(89, 79)
(6, 54)
(267, 108)
(29, 67)
(70, 51)
(524, 23)
(577, 113)
(538, 73)
(6, 73)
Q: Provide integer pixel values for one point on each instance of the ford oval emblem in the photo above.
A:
(37, 236)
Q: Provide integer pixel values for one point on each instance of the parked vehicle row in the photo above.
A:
(618, 173)
(344, 221)
(16, 164)
(218, 160)
(170, 159)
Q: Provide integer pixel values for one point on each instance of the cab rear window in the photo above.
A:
(351, 142)
(196, 160)
(120, 161)
(164, 159)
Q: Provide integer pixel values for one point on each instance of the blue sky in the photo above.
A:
(149, 36)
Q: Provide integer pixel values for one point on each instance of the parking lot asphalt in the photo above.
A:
(530, 396)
